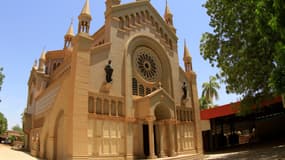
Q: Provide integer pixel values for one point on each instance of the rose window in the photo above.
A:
(147, 64)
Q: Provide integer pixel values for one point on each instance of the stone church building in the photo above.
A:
(118, 93)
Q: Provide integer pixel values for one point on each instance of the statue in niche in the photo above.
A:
(184, 89)
(109, 71)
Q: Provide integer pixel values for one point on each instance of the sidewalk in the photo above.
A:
(6, 153)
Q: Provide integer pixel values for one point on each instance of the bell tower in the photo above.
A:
(187, 59)
(84, 19)
(68, 36)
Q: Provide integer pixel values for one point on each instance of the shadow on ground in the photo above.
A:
(272, 150)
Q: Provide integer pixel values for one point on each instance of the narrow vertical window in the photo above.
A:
(90, 104)
(141, 90)
(135, 86)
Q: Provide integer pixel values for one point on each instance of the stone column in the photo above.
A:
(129, 141)
(171, 139)
(151, 140)
(161, 149)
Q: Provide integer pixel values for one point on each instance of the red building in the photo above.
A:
(226, 127)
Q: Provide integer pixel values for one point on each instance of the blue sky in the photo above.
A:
(31, 25)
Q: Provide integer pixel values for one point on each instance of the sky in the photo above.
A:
(27, 27)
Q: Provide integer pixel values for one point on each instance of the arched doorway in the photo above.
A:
(154, 132)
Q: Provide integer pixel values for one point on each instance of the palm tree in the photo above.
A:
(204, 104)
(210, 89)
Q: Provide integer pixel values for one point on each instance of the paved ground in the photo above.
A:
(6, 153)
(274, 150)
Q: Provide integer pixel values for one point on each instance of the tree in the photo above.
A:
(3, 123)
(1, 78)
(247, 44)
(210, 90)
(204, 104)
(17, 128)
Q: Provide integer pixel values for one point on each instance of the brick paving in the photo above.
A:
(6, 153)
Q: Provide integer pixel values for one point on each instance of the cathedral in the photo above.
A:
(116, 94)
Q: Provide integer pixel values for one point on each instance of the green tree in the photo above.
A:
(210, 90)
(3, 123)
(1, 78)
(247, 44)
(204, 103)
(17, 128)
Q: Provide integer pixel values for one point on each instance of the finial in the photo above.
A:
(35, 63)
(167, 9)
(86, 8)
(186, 51)
(70, 29)
(43, 55)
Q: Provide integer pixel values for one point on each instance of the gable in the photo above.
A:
(140, 13)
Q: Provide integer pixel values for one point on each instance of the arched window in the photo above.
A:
(170, 44)
(156, 27)
(121, 23)
(138, 18)
(106, 107)
(147, 15)
(133, 20)
(54, 66)
(135, 86)
(127, 21)
(161, 32)
(90, 104)
(148, 91)
(98, 106)
(143, 16)
(120, 109)
(166, 38)
(113, 108)
(141, 90)
(152, 21)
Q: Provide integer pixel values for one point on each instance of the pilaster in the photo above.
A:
(80, 65)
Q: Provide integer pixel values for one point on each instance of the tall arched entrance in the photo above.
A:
(158, 134)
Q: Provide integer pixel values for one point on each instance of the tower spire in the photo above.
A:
(42, 61)
(187, 58)
(86, 9)
(84, 18)
(168, 16)
(69, 35)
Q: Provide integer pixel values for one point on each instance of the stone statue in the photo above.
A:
(184, 88)
(109, 72)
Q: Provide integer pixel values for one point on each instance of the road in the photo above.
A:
(6, 153)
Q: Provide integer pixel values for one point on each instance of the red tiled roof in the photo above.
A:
(229, 109)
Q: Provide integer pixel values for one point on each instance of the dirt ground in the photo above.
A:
(271, 150)
(6, 153)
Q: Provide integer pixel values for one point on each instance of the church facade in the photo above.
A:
(116, 94)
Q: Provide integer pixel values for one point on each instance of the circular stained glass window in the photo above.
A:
(147, 64)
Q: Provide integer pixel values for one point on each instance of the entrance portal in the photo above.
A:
(145, 140)
(154, 133)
